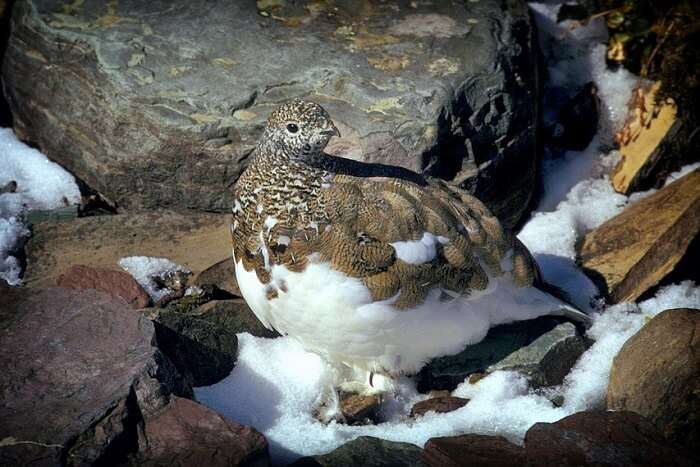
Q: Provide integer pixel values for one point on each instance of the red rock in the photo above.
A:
(185, 433)
(438, 404)
(116, 283)
(602, 439)
(472, 450)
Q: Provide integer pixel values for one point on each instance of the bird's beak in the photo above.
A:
(332, 130)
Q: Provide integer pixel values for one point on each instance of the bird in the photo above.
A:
(375, 268)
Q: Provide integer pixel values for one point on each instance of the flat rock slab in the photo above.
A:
(636, 249)
(548, 359)
(79, 369)
(193, 240)
(472, 450)
(657, 374)
(442, 404)
(185, 433)
(369, 452)
(169, 98)
(450, 371)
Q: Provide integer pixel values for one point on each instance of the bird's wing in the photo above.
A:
(404, 240)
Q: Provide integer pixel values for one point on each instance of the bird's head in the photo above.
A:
(299, 128)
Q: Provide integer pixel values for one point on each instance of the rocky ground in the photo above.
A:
(154, 108)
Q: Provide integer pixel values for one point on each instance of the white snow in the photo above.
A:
(41, 184)
(145, 268)
(275, 384)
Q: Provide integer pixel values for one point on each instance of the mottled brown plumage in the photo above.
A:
(295, 201)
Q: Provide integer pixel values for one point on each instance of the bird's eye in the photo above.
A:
(292, 127)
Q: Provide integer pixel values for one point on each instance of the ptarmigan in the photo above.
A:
(374, 267)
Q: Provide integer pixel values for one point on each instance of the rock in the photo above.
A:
(192, 240)
(450, 371)
(446, 88)
(221, 275)
(9, 187)
(472, 450)
(649, 141)
(601, 439)
(358, 409)
(657, 374)
(438, 405)
(202, 341)
(185, 433)
(577, 122)
(116, 283)
(368, 452)
(81, 374)
(634, 250)
(548, 359)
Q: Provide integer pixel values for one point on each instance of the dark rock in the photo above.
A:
(577, 121)
(657, 374)
(358, 409)
(221, 275)
(473, 450)
(438, 404)
(601, 439)
(115, 283)
(450, 371)
(185, 433)
(9, 187)
(202, 341)
(368, 452)
(636, 249)
(192, 240)
(79, 372)
(447, 88)
(548, 359)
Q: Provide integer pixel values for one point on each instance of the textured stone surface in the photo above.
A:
(438, 404)
(368, 452)
(501, 341)
(446, 88)
(548, 359)
(202, 342)
(185, 433)
(657, 374)
(116, 283)
(221, 275)
(192, 240)
(601, 439)
(359, 409)
(79, 371)
(636, 249)
(472, 450)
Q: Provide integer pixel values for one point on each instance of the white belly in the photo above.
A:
(334, 316)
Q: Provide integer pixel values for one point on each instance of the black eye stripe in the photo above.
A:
(292, 127)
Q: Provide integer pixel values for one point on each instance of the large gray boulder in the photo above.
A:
(160, 103)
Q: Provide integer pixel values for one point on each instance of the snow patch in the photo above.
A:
(41, 184)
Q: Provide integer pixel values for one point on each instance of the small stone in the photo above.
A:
(657, 374)
(115, 283)
(476, 377)
(367, 452)
(472, 450)
(359, 409)
(9, 187)
(438, 405)
(221, 275)
(185, 433)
